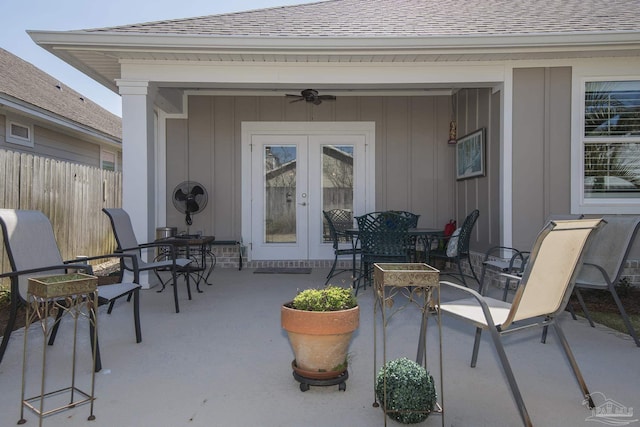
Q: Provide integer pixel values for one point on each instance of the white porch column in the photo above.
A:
(138, 160)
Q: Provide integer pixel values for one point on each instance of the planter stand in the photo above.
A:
(80, 296)
(418, 284)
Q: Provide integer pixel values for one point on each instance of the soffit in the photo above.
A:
(103, 62)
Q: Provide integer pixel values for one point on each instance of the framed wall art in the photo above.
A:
(470, 155)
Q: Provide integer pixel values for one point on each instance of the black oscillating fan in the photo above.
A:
(189, 197)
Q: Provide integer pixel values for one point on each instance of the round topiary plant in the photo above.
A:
(410, 391)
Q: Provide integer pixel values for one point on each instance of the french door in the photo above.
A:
(295, 174)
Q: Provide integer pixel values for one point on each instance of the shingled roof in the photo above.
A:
(20, 80)
(408, 18)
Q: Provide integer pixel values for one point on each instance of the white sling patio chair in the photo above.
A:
(604, 262)
(544, 290)
(128, 244)
(32, 251)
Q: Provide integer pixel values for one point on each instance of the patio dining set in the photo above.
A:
(394, 236)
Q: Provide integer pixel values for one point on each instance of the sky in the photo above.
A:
(64, 15)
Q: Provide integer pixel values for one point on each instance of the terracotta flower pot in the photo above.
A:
(320, 339)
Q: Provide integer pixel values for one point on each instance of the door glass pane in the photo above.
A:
(337, 182)
(280, 193)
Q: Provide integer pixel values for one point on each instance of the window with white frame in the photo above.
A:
(19, 133)
(108, 160)
(611, 141)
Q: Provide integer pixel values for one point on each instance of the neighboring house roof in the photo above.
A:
(22, 85)
(407, 18)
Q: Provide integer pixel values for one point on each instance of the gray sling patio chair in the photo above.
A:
(128, 244)
(32, 251)
(543, 293)
(605, 260)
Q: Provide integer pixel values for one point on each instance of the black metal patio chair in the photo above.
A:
(510, 260)
(458, 253)
(338, 221)
(384, 237)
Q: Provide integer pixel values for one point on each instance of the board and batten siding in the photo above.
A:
(541, 149)
(414, 163)
(476, 109)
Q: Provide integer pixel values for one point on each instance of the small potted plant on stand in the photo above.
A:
(319, 323)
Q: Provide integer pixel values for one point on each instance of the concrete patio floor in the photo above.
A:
(225, 361)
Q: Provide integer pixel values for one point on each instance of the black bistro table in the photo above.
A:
(198, 249)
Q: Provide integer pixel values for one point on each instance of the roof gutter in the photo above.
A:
(53, 40)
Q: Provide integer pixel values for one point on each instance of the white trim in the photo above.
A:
(161, 168)
(335, 92)
(104, 151)
(506, 158)
(89, 40)
(17, 139)
(307, 128)
(611, 70)
(333, 75)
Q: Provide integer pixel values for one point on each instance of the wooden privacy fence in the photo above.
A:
(70, 194)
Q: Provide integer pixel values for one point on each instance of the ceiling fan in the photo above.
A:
(311, 95)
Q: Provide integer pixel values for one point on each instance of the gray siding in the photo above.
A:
(541, 148)
(55, 145)
(476, 109)
(414, 164)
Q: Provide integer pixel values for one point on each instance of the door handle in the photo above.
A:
(303, 204)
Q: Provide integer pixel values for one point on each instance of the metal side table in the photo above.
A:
(398, 286)
(77, 295)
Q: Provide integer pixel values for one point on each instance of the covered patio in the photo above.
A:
(225, 361)
(209, 99)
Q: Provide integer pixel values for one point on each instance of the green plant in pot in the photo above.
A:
(406, 391)
(320, 323)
